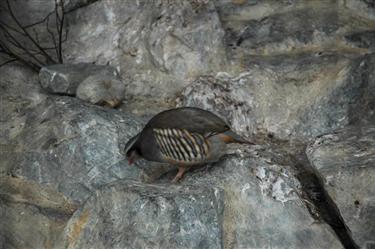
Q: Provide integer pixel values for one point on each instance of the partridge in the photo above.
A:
(182, 137)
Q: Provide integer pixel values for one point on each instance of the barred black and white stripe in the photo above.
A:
(180, 145)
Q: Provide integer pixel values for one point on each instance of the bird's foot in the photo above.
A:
(180, 173)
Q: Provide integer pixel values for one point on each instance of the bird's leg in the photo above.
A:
(180, 173)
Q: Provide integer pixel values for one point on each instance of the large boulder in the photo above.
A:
(128, 214)
(61, 142)
(156, 45)
(291, 98)
(346, 161)
(72, 146)
(55, 152)
(31, 216)
(20, 90)
(245, 201)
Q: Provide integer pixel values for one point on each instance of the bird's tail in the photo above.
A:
(232, 137)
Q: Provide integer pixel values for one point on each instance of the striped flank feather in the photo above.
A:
(180, 145)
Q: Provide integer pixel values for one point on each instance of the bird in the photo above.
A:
(183, 137)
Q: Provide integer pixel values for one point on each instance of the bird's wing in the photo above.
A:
(194, 120)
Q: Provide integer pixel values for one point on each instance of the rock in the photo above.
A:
(61, 142)
(58, 150)
(102, 90)
(72, 147)
(65, 78)
(363, 8)
(363, 39)
(262, 205)
(261, 28)
(345, 159)
(246, 201)
(72, 5)
(31, 216)
(157, 45)
(20, 90)
(296, 98)
(127, 214)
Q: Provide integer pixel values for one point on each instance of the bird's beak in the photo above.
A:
(130, 161)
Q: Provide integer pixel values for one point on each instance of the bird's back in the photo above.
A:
(189, 118)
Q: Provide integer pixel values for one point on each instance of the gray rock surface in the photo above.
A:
(301, 97)
(71, 146)
(31, 216)
(262, 202)
(102, 89)
(346, 161)
(245, 201)
(293, 69)
(20, 90)
(156, 45)
(60, 142)
(65, 78)
(57, 150)
(128, 214)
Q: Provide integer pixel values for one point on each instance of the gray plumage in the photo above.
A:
(183, 137)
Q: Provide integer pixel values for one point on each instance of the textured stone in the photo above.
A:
(60, 141)
(262, 205)
(20, 90)
(293, 68)
(346, 161)
(300, 98)
(72, 146)
(65, 78)
(102, 89)
(156, 45)
(262, 28)
(127, 214)
(31, 216)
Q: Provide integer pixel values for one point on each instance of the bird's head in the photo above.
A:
(132, 151)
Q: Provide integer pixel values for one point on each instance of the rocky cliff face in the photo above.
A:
(295, 77)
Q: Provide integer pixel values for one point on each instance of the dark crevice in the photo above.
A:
(63, 94)
(46, 92)
(79, 5)
(320, 204)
